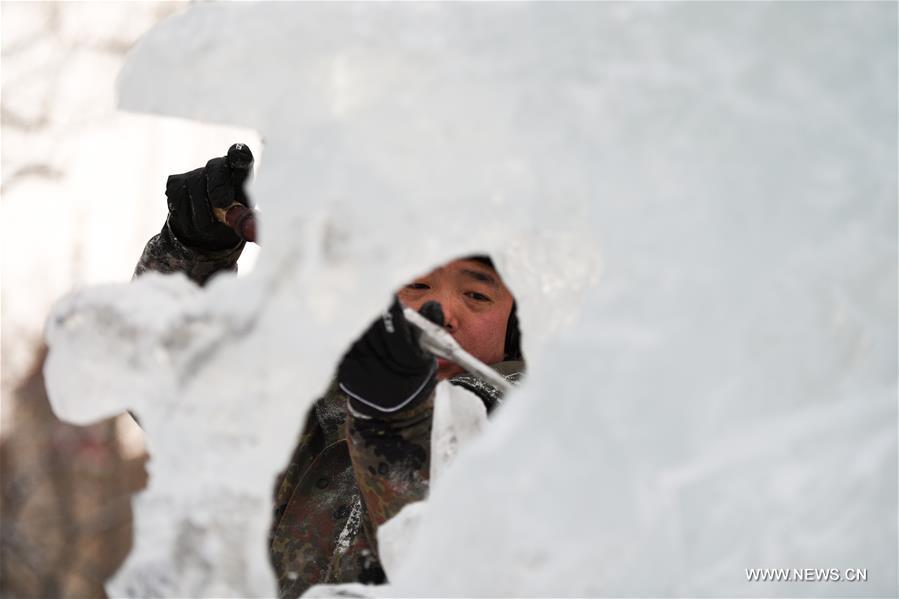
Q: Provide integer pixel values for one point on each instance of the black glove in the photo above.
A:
(386, 370)
(193, 196)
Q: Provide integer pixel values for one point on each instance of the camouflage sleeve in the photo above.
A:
(311, 444)
(391, 458)
(165, 253)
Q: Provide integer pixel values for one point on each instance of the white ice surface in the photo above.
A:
(724, 397)
(459, 417)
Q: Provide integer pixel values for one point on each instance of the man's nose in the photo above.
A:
(451, 312)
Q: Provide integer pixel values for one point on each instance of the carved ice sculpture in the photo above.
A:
(722, 399)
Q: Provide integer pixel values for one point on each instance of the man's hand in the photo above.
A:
(196, 197)
(386, 370)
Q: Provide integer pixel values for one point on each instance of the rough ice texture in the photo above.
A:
(723, 398)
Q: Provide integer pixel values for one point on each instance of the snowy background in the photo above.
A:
(695, 205)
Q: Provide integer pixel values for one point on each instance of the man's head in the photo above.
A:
(478, 309)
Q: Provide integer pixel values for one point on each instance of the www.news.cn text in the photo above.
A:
(806, 574)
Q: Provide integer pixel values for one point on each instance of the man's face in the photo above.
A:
(476, 305)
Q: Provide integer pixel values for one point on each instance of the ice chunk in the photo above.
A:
(459, 417)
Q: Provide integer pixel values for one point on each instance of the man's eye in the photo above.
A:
(478, 297)
(417, 286)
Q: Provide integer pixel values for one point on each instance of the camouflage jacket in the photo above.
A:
(165, 253)
(348, 473)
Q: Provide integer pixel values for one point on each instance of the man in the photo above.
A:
(364, 452)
